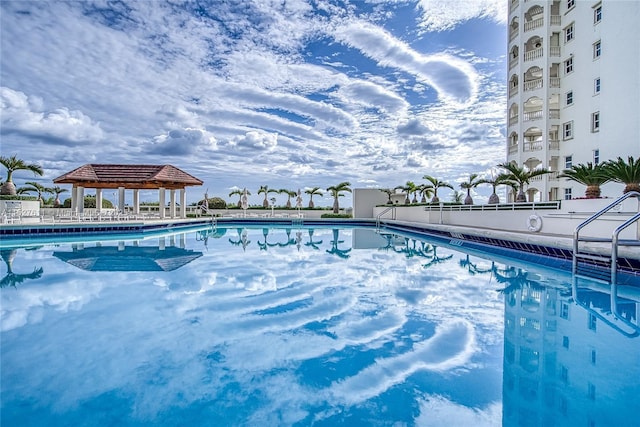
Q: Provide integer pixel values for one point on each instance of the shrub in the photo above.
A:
(90, 202)
(332, 215)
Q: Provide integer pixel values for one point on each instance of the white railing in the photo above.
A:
(533, 54)
(536, 23)
(556, 20)
(513, 148)
(554, 81)
(513, 91)
(554, 113)
(554, 144)
(513, 62)
(497, 207)
(513, 120)
(554, 50)
(532, 115)
(533, 146)
(533, 84)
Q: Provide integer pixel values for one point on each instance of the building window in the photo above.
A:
(596, 156)
(564, 309)
(596, 85)
(568, 66)
(570, 4)
(597, 49)
(567, 194)
(569, 97)
(567, 130)
(565, 341)
(595, 121)
(593, 356)
(568, 162)
(597, 14)
(592, 322)
(591, 391)
(569, 33)
(564, 374)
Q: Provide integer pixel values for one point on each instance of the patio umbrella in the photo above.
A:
(299, 199)
(244, 201)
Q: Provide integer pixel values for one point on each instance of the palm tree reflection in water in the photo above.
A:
(11, 278)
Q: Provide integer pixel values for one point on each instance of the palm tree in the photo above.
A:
(239, 193)
(436, 183)
(335, 192)
(456, 197)
(426, 190)
(35, 187)
(311, 192)
(593, 176)
(265, 189)
(468, 185)
(521, 177)
(389, 192)
(500, 179)
(625, 173)
(404, 189)
(56, 191)
(290, 194)
(14, 164)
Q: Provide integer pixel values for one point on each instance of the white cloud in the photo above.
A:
(453, 78)
(23, 114)
(442, 15)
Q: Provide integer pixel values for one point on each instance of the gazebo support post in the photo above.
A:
(161, 204)
(121, 199)
(74, 199)
(136, 201)
(80, 199)
(98, 200)
(172, 203)
(183, 203)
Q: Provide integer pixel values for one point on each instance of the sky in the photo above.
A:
(290, 94)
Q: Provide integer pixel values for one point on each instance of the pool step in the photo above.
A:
(593, 266)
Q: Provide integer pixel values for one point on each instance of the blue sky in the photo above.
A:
(293, 94)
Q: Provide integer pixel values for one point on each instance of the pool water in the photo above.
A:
(301, 326)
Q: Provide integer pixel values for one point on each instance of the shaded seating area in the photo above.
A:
(121, 178)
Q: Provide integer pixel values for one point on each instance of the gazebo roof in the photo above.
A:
(128, 176)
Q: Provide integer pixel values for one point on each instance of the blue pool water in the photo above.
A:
(301, 327)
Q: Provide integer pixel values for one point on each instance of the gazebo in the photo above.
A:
(130, 177)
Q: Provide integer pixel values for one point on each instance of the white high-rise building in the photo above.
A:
(573, 88)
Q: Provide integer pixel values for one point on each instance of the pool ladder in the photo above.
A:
(587, 263)
(393, 216)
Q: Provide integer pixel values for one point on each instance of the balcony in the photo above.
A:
(531, 25)
(513, 120)
(533, 54)
(554, 176)
(554, 51)
(533, 85)
(532, 115)
(554, 113)
(513, 34)
(513, 5)
(554, 82)
(532, 146)
(556, 20)
(513, 62)
(513, 148)
(554, 145)
(513, 91)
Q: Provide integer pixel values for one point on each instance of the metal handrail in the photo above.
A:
(614, 245)
(616, 232)
(393, 215)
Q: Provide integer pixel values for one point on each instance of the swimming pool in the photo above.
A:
(308, 326)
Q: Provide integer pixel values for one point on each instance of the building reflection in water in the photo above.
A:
(569, 359)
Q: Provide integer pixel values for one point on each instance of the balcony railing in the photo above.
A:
(533, 54)
(513, 34)
(554, 82)
(554, 176)
(532, 115)
(556, 20)
(513, 5)
(513, 120)
(533, 84)
(554, 113)
(554, 50)
(536, 23)
(532, 146)
(554, 144)
(513, 62)
(513, 91)
(513, 148)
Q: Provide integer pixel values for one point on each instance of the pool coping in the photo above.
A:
(546, 248)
